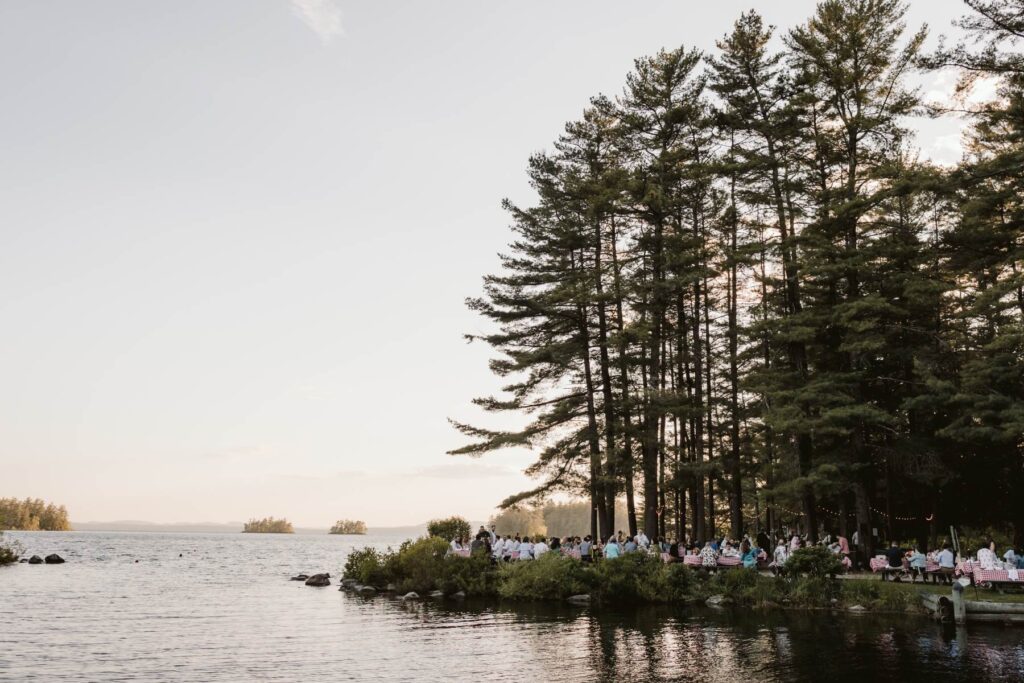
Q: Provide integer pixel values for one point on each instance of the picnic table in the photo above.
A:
(986, 578)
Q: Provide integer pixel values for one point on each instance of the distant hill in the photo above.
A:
(229, 528)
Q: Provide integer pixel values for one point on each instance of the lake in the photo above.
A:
(224, 610)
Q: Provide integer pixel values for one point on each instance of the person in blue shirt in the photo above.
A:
(947, 563)
(917, 564)
(612, 550)
(748, 554)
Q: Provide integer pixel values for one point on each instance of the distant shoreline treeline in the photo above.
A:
(348, 526)
(268, 525)
(33, 514)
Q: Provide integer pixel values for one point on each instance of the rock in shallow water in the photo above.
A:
(300, 577)
(411, 595)
(579, 599)
(35, 559)
(54, 559)
(319, 580)
(366, 590)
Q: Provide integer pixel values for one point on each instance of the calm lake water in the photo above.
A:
(225, 611)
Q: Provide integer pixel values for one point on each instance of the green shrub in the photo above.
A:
(813, 591)
(471, 575)
(676, 581)
(10, 552)
(639, 576)
(552, 577)
(815, 561)
(419, 564)
(452, 527)
(369, 566)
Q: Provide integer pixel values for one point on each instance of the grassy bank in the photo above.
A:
(421, 566)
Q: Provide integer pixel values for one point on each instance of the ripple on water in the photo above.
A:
(225, 611)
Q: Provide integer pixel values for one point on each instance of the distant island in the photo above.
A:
(268, 525)
(348, 526)
(33, 514)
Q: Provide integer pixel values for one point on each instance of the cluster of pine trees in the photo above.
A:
(742, 298)
(33, 514)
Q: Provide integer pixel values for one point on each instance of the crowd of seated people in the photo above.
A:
(760, 551)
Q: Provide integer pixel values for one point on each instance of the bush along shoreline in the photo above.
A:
(424, 568)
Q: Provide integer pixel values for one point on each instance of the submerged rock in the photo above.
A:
(582, 599)
(856, 608)
(437, 594)
(300, 577)
(368, 591)
(35, 559)
(411, 595)
(319, 580)
(391, 588)
(459, 596)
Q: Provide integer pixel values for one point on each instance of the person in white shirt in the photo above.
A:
(643, 541)
(525, 549)
(780, 557)
(987, 557)
(539, 548)
(455, 545)
(498, 548)
(1010, 557)
(729, 551)
(511, 546)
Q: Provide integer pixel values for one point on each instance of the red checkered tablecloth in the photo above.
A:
(995, 575)
(878, 564)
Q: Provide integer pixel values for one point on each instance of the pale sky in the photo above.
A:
(236, 237)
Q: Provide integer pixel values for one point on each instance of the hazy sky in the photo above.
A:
(236, 236)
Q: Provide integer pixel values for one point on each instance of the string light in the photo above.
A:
(880, 513)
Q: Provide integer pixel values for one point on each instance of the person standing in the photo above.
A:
(586, 547)
(525, 549)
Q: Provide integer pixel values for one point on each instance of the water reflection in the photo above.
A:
(225, 611)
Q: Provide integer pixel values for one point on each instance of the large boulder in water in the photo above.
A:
(35, 559)
(319, 580)
(54, 559)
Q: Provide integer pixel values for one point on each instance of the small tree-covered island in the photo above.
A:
(268, 525)
(33, 514)
(348, 526)
(744, 303)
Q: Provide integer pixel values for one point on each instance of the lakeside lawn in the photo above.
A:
(863, 581)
